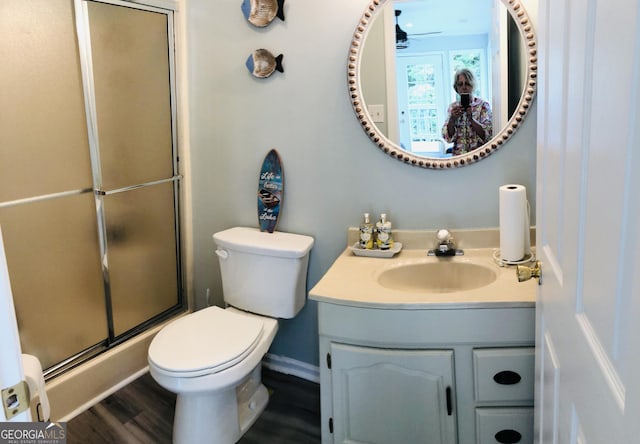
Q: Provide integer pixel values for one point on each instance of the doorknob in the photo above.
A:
(525, 272)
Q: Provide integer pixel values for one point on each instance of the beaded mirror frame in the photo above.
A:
(521, 18)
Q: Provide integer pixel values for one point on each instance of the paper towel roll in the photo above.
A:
(514, 222)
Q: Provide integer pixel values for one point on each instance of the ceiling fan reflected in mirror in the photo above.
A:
(402, 37)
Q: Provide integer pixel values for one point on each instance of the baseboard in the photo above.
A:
(289, 366)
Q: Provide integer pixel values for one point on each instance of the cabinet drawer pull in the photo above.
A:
(449, 405)
(507, 377)
(508, 436)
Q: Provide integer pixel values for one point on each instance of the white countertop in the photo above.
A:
(351, 281)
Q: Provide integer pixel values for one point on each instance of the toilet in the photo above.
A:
(211, 358)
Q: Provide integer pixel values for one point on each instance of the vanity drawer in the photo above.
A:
(504, 425)
(504, 374)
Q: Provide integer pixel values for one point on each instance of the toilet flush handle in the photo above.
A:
(223, 254)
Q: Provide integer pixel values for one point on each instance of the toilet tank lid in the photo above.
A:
(252, 240)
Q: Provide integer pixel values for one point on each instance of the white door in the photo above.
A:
(588, 218)
(421, 103)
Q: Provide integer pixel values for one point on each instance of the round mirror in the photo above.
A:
(405, 84)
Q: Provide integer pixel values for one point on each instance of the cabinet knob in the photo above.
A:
(507, 377)
(508, 436)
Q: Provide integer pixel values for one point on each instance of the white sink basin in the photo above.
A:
(411, 280)
(436, 277)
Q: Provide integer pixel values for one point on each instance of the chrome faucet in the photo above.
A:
(446, 246)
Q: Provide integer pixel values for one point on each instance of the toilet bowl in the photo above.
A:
(211, 358)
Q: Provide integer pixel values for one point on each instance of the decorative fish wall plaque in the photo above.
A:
(261, 63)
(262, 12)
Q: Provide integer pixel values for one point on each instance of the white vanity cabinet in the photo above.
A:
(426, 375)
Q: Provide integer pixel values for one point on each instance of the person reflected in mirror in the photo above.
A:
(469, 120)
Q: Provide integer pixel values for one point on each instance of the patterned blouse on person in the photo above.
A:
(464, 138)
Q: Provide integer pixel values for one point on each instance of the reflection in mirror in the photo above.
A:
(402, 62)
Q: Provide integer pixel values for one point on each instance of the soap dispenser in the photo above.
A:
(383, 229)
(366, 233)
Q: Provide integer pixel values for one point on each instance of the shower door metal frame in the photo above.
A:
(85, 54)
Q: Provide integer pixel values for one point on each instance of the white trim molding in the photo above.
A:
(290, 366)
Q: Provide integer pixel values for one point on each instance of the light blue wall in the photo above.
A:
(333, 172)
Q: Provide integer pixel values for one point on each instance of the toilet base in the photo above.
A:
(220, 417)
(252, 398)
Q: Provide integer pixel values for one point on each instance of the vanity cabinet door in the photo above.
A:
(383, 396)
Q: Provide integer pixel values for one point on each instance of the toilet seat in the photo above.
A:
(204, 342)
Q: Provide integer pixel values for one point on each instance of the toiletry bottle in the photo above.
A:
(383, 229)
(366, 233)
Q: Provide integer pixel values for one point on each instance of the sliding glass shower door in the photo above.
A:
(88, 173)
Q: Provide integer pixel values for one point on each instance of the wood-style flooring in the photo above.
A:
(142, 412)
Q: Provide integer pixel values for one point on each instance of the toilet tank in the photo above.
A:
(264, 273)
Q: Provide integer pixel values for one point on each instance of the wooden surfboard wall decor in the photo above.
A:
(270, 191)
